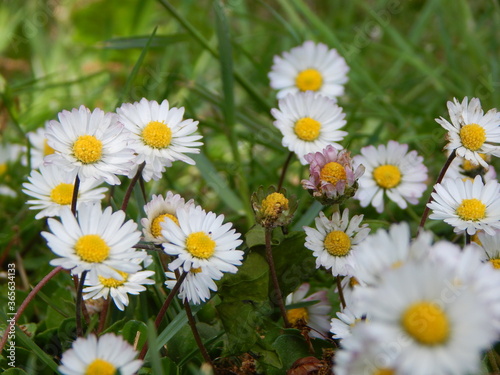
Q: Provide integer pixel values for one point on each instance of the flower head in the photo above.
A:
(196, 286)
(39, 146)
(272, 208)
(9, 153)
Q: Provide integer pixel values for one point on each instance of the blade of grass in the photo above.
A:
(26, 342)
(154, 355)
(308, 216)
(141, 41)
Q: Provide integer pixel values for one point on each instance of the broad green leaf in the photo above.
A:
(133, 328)
(25, 341)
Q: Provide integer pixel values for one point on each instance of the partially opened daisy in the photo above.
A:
(334, 242)
(108, 354)
(9, 154)
(467, 205)
(197, 285)
(393, 171)
(201, 240)
(309, 67)
(159, 135)
(52, 189)
(92, 143)
(463, 168)
(346, 320)
(98, 241)
(309, 123)
(472, 132)
(490, 244)
(39, 146)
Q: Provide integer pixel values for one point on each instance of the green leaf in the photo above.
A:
(67, 332)
(154, 355)
(133, 328)
(26, 342)
(15, 371)
(142, 41)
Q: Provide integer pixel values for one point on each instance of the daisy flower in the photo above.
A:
(39, 146)
(341, 326)
(9, 153)
(472, 132)
(463, 168)
(159, 135)
(92, 143)
(309, 123)
(53, 189)
(99, 241)
(332, 177)
(200, 240)
(393, 171)
(108, 354)
(272, 208)
(467, 205)
(156, 211)
(334, 242)
(490, 244)
(314, 316)
(196, 286)
(309, 67)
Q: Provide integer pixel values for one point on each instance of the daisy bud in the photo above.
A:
(273, 209)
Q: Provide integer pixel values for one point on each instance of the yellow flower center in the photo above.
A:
(309, 80)
(114, 283)
(387, 176)
(307, 129)
(47, 150)
(471, 209)
(156, 224)
(62, 194)
(353, 282)
(294, 315)
(337, 243)
(100, 367)
(3, 168)
(472, 136)
(92, 248)
(274, 204)
(157, 134)
(333, 172)
(426, 323)
(384, 371)
(195, 270)
(495, 263)
(87, 149)
(200, 245)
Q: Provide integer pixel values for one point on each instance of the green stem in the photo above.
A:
(134, 180)
(283, 171)
(103, 315)
(75, 195)
(341, 292)
(79, 303)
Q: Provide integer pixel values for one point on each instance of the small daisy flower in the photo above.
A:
(39, 146)
(309, 123)
(334, 242)
(465, 169)
(309, 67)
(9, 153)
(342, 325)
(92, 143)
(490, 244)
(314, 316)
(472, 132)
(467, 205)
(159, 135)
(393, 171)
(99, 241)
(200, 240)
(108, 354)
(53, 189)
(156, 211)
(196, 286)
(332, 177)
(272, 208)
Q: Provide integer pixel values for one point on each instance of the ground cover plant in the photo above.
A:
(249, 187)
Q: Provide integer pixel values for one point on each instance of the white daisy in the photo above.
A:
(334, 242)
(200, 240)
(53, 189)
(196, 286)
(435, 325)
(159, 135)
(341, 326)
(98, 286)
(463, 168)
(490, 244)
(315, 316)
(9, 154)
(391, 170)
(157, 209)
(309, 67)
(99, 241)
(467, 205)
(39, 146)
(471, 131)
(309, 123)
(92, 143)
(108, 354)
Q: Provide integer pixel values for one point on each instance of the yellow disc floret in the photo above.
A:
(495, 263)
(110, 282)
(333, 172)
(471, 209)
(156, 224)
(337, 243)
(62, 193)
(296, 315)
(157, 135)
(47, 150)
(87, 149)
(92, 248)
(274, 204)
(3, 168)
(307, 129)
(472, 136)
(100, 367)
(384, 371)
(387, 176)
(309, 80)
(200, 245)
(427, 323)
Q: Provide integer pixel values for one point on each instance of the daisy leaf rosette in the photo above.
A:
(273, 208)
(96, 241)
(309, 123)
(309, 67)
(467, 205)
(92, 143)
(332, 176)
(471, 132)
(159, 135)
